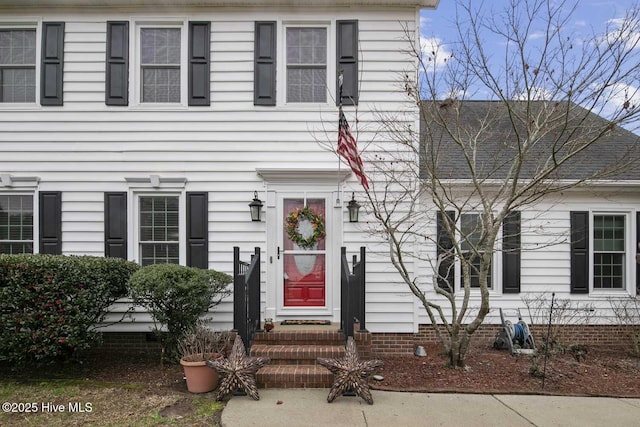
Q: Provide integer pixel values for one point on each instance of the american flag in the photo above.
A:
(348, 148)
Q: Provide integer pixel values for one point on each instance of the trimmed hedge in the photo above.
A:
(176, 297)
(50, 305)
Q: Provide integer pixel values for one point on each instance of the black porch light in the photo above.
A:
(255, 207)
(354, 209)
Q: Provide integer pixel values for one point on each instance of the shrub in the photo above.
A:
(50, 305)
(176, 297)
(627, 314)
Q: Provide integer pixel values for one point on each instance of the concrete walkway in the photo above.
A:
(309, 407)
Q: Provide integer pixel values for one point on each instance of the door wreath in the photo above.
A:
(299, 218)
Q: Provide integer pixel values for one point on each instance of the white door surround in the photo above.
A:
(303, 183)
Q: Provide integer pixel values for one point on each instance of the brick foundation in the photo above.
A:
(130, 343)
(397, 344)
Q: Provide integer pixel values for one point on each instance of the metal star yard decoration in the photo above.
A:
(350, 373)
(238, 371)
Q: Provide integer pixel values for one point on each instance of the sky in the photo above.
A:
(437, 28)
(590, 13)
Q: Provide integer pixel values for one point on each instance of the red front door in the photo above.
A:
(304, 268)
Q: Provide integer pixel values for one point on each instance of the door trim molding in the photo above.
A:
(303, 176)
(335, 214)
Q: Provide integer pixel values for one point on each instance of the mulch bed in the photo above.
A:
(601, 372)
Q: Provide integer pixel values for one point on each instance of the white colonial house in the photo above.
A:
(143, 129)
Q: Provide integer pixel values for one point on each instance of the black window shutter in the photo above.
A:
(197, 230)
(117, 63)
(115, 225)
(446, 273)
(264, 71)
(52, 63)
(580, 252)
(347, 58)
(50, 213)
(199, 54)
(511, 253)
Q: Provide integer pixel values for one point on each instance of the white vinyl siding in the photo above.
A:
(546, 255)
(86, 148)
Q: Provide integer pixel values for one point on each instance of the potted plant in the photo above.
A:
(196, 347)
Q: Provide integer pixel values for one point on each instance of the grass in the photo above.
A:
(77, 402)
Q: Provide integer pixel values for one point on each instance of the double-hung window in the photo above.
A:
(160, 59)
(171, 64)
(16, 224)
(602, 254)
(17, 65)
(302, 62)
(471, 230)
(159, 229)
(609, 251)
(306, 59)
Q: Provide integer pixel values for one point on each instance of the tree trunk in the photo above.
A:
(458, 349)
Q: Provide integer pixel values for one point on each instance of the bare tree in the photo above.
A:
(552, 103)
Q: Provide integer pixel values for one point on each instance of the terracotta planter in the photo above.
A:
(200, 377)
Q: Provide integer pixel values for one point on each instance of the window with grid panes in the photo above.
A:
(17, 65)
(160, 64)
(306, 64)
(471, 230)
(159, 230)
(608, 251)
(16, 224)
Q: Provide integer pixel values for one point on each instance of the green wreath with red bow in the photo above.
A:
(293, 222)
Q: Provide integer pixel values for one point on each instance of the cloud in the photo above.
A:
(434, 52)
(424, 21)
(454, 94)
(625, 29)
(617, 97)
(537, 35)
(537, 94)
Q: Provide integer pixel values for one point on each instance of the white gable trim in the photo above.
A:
(263, 3)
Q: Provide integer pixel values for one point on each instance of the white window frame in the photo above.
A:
(495, 287)
(135, 221)
(281, 65)
(135, 68)
(629, 248)
(35, 236)
(26, 24)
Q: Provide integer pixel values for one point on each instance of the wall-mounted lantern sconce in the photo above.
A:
(354, 208)
(255, 207)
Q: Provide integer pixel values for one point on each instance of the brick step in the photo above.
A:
(294, 376)
(299, 337)
(294, 354)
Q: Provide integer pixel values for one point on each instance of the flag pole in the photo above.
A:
(340, 80)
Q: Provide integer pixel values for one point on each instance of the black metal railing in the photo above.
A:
(246, 296)
(352, 291)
